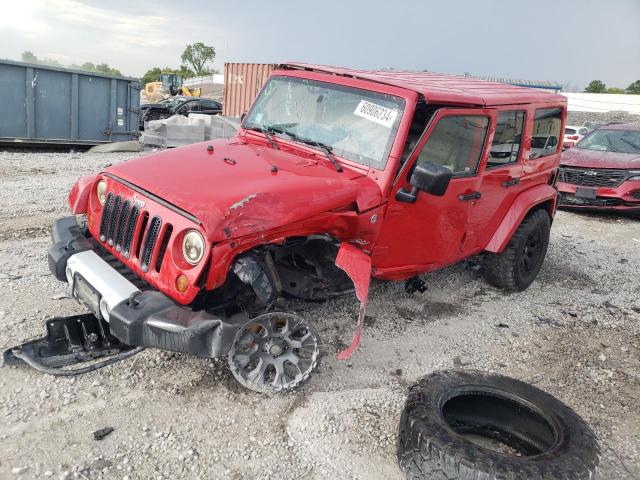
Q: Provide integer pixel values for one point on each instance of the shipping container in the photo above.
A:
(49, 105)
(242, 83)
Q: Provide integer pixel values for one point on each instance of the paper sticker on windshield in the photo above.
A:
(376, 113)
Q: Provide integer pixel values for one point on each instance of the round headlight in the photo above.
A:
(193, 247)
(101, 191)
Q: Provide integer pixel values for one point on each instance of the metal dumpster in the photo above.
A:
(49, 105)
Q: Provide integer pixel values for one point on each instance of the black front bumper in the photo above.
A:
(151, 319)
(148, 318)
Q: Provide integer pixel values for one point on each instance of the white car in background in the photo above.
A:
(573, 135)
(542, 145)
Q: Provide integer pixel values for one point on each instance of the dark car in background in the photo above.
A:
(178, 106)
(603, 170)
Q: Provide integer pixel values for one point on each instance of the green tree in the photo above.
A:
(100, 68)
(29, 57)
(185, 71)
(634, 88)
(615, 90)
(596, 86)
(154, 74)
(197, 56)
(106, 69)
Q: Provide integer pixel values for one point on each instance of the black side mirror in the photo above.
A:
(428, 177)
(242, 115)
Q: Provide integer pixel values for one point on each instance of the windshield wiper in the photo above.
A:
(326, 149)
(609, 143)
(630, 143)
(267, 135)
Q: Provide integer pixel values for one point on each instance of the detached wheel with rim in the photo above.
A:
(518, 265)
(472, 425)
(274, 352)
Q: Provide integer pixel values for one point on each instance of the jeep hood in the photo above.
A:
(242, 188)
(578, 157)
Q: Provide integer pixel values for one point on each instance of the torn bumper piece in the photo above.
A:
(69, 341)
(150, 319)
(135, 318)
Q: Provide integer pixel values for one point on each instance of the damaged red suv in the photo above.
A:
(334, 177)
(602, 172)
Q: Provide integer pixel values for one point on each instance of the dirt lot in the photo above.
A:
(575, 333)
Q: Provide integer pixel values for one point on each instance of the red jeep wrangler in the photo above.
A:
(335, 175)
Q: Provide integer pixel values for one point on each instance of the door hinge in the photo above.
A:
(511, 183)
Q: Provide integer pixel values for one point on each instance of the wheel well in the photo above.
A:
(547, 206)
(300, 267)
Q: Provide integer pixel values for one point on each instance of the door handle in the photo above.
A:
(511, 183)
(469, 196)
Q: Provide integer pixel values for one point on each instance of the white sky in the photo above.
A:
(567, 41)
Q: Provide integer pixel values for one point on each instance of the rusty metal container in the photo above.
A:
(242, 83)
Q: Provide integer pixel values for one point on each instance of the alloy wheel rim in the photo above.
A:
(274, 352)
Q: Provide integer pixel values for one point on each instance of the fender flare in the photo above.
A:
(521, 206)
(79, 194)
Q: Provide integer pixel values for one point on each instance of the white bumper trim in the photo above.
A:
(112, 286)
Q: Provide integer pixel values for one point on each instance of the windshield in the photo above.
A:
(357, 125)
(569, 131)
(609, 140)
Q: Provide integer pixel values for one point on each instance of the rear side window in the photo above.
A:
(546, 131)
(210, 105)
(506, 141)
(456, 142)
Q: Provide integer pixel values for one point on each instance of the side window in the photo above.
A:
(456, 142)
(183, 109)
(546, 131)
(506, 141)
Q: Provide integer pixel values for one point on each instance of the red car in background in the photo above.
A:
(603, 170)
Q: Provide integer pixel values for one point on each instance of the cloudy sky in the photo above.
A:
(567, 41)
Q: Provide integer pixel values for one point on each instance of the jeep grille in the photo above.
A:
(122, 221)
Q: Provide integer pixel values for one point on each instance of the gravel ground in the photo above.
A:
(578, 118)
(574, 333)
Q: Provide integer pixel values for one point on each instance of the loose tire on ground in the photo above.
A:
(473, 425)
(518, 265)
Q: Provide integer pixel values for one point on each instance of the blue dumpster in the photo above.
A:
(49, 105)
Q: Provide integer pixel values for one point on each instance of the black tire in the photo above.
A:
(553, 441)
(517, 266)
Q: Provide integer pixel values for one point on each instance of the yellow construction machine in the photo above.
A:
(170, 85)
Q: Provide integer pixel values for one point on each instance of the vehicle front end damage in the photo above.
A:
(154, 275)
(331, 179)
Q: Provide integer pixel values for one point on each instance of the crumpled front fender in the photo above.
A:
(357, 265)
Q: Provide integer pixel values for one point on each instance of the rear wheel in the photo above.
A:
(517, 266)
